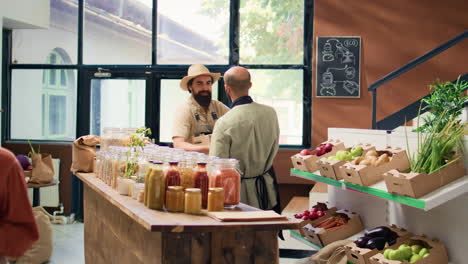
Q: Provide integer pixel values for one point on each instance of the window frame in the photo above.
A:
(155, 72)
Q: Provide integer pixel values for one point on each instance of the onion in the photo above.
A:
(24, 161)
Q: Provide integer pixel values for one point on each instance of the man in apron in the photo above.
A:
(249, 132)
(195, 120)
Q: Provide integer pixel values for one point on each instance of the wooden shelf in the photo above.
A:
(427, 202)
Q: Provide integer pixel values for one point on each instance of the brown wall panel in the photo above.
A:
(62, 152)
(393, 33)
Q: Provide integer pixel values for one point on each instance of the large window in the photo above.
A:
(43, 105)
(117, 103)
(128, 56)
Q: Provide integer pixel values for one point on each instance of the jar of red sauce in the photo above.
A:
(226, 175)
(201, 181)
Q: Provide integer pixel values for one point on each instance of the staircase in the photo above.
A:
(411, 111)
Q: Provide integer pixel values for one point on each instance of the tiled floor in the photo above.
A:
(69, 245)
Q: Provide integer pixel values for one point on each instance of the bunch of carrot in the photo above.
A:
(333, 223)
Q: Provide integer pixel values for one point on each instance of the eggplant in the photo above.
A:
(392, 238)
(376, 243)
(362, 242)
(381, 231)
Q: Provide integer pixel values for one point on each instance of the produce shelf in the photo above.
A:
(427, 202)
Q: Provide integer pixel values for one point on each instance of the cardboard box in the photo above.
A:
(330, 169)
(322, 237)
(365, 175)
(415, 184)
(437, 255)
(308, 163)
(358, 255)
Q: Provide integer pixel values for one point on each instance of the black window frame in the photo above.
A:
(157, 72)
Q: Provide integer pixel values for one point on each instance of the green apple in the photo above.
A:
(398, 254)
(407, 252)
(348, 157)
(423, 251)
(415, 258)
(416, 248)
(425, 255)
(341, 154)
(387, 253)
(356, 151)
(402, 246)
(333, 158)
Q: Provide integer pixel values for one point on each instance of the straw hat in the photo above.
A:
(197, 70)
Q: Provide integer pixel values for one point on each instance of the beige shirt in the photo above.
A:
(250, 134)
(191, 119)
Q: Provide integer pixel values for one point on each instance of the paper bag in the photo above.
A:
(84, 153)
(42, 168)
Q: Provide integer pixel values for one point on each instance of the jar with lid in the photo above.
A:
(187, 171)
(215, 199)
(192, 201)
(201, 182)
(155, 187)
(226, 175)
(173, 174)
(175, 199)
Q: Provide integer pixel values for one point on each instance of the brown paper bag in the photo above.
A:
(42, 168)
(84, 153)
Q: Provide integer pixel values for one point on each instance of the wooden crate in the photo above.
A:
(359, 255)
(330, 169)
(419, 184)
(308, 163)
(437, 255)
(367, 175)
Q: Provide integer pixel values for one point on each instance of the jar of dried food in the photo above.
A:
(193, 201)
(215, 199)
(175, 199)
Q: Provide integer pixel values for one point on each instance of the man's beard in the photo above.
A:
(203, 98)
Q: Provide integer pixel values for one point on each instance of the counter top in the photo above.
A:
(162, 221)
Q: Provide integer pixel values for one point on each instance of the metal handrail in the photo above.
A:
(407, 67)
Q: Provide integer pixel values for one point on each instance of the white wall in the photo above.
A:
(26, 13)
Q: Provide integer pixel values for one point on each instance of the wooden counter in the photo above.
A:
(119, 229)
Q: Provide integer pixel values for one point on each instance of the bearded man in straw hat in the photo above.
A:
(195, 120)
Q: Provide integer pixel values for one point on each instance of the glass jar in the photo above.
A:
(155, 195)
(202, 182)
(187, 171)
(226, 175)
(215, 200)
(175, 199)
(193, 201)
(173, 174)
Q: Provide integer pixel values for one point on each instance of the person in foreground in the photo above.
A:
(18, 230)
(194, 120)
(249, 132)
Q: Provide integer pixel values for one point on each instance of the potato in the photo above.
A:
(384, 157)
(357, 160)
(366, 162)
(378, 162)
(372, 153)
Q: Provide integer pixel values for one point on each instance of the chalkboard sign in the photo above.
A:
(338, 67)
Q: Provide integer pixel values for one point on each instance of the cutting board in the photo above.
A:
(239, 216)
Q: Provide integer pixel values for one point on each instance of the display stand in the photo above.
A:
(441, 214)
